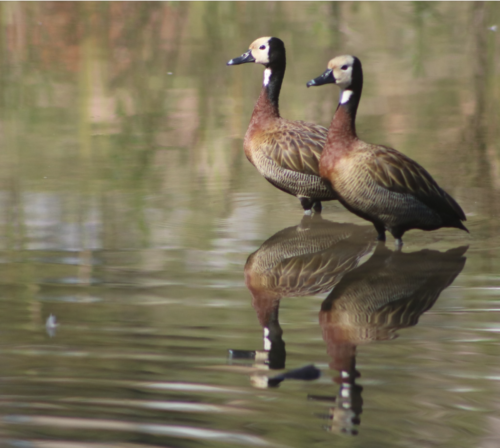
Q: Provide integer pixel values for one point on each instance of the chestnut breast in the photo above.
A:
(292, 145)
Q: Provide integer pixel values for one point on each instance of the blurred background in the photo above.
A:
(128, 210)
(101, 102)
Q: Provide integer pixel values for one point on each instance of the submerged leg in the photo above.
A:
(317, 206)
(381, 232)
(399, 243)
(306, 205)
(398, 236)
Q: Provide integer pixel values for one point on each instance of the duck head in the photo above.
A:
(346, 72)
(268, 51)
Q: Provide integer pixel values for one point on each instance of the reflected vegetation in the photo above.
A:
(154, 107)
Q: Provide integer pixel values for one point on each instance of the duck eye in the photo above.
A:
(262, 47)
(344, 67)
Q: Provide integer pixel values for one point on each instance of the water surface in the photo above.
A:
(193, 304)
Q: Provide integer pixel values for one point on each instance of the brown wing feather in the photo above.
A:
(297, 146)
(396, 172)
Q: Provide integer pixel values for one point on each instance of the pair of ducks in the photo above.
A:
(316, 164)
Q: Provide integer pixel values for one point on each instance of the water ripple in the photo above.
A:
(72, 444)
(187, 432)
(173, 386)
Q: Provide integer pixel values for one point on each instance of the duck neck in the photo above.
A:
(268, 102)
(343, 126)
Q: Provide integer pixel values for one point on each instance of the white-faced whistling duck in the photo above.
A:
(375, 182)
(285, 152)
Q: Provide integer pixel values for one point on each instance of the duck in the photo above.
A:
(286, 153)
(375, 182)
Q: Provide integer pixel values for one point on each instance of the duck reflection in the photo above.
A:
(387, 293)
(368, 301)
(303, 260)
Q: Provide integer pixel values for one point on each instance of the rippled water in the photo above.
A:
(157, 292)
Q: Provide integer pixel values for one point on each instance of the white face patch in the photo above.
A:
(267, 75)
(267, 342)
(260, 50)
(345, 96)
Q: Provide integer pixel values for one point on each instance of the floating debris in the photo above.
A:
(51, 325)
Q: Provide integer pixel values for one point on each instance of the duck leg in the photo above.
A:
(381, 231)
(398, 236)
(317, 207)
(306, 205)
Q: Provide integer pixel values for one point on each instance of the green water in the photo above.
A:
(128, 212)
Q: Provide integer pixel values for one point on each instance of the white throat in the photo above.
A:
(267, 76)
(345, 96)
(267, 342)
